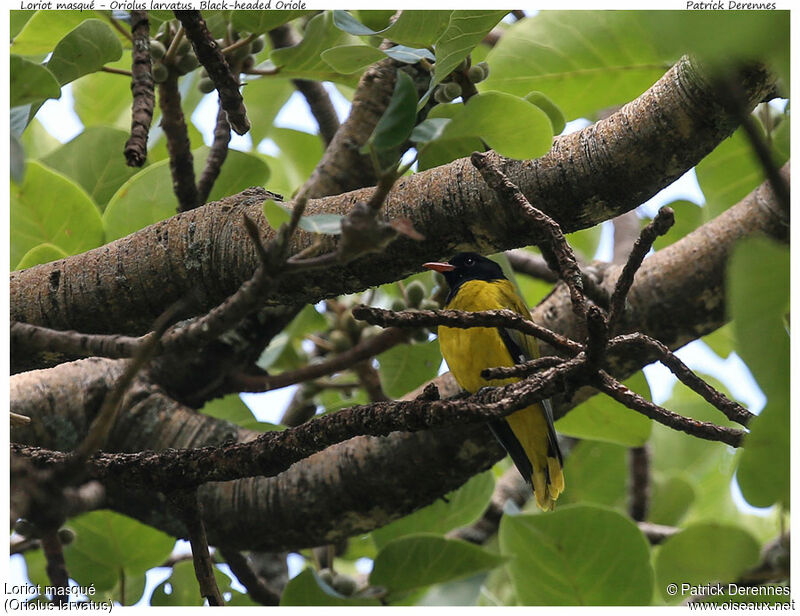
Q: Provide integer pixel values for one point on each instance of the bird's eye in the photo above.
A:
(469, 261)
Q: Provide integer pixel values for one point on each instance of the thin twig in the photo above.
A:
(103, 422)
(142, 89)
(659, 226)
(56, 567)
(554, 241)
(701, 429)
(365, 349)
(181, 161)
(117, 26)
(732, 410)
(116, 71)
(216, 156)
(211, 57)
(38, 338)
(257, 587)
(189, 511)
(464, 320)
(639, 486)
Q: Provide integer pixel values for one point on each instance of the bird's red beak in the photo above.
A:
(439, 267)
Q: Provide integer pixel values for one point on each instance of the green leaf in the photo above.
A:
(84, 50)
(596, 472)
(458, 508)
(688, 216)
(301, 151)
(412, 28)
(94, 160)
(43, 253)
(276, 214)
(703, 553)
(348, 59)
(42, 30)
(577, 555)
(406, 366)
(184, 588)
(307, 589)
(543, 102)
(262, 21)
(409, 55)
(429, 130)
(510, 125)
(731, 171)
(147, 197)
(465, 31)
(672, 495)
(108, 544)
(721, 341)
(758, 287)
(37, 141)
(398, 120)
(30, 82)
(442, 151)
(17, 19)
(16, 154)
(264, 98)
(230, 408)
(103, 99)
(329, 224)
(586, 241)
(304, 59)
(420, 560)
(603, 419)
(49, 208)
(583, 61)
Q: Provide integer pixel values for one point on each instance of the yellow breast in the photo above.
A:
(468, 351)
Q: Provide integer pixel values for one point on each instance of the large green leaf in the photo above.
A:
(732, 171)
(398, 120)
(30, 82)
(464, 32)
(94, 159)
(703, 553)
(49, 208)
(84, 50)
(300, 152)
(596, 472)
(307, 589)
(438, 151)
(510, 125)
(304, 59)
(417, 561)
(458, 508)
(44, 29)
(104, 99)
(758, 286)
(603, 419)
(264, 98)
(671, 497)
(37, 141)
(43, 253)
(583, 60)
(577, 555)
(351, 58)
(412, 28)
(407, 366)
(147, 197)
(108, 545)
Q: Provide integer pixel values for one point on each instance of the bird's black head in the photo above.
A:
(466, 266)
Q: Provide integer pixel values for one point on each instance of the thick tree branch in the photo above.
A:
(578, 183)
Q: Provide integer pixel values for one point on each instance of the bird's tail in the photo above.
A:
(530, 439)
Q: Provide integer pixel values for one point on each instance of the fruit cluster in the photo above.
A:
(451, 88)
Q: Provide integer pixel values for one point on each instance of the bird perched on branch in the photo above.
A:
(477, 283)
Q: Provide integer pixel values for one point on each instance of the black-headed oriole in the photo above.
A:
(477, 283)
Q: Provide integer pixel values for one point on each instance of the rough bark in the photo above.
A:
(668, 300)
(589, 176)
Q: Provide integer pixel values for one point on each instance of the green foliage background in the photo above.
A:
(579, 64)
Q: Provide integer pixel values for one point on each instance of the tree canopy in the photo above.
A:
(155, 278)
